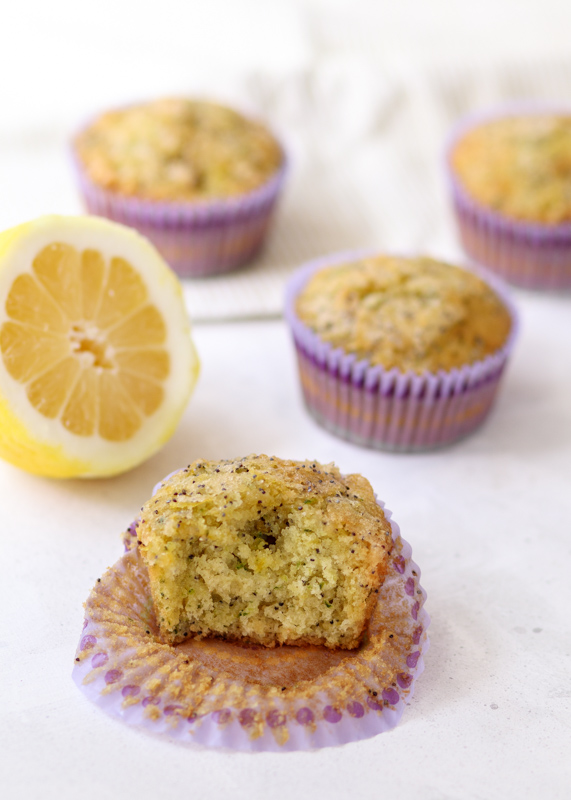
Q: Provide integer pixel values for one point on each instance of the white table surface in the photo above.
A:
(488, 519)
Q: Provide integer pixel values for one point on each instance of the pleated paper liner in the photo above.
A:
(530, 255)
(222, 694)
(390, 409)
(196, 239)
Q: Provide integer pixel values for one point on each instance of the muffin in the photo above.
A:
(242, 695)
(264, 550)
(510, 177)
(398, 353)
(198, 179)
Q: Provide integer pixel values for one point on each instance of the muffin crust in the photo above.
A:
(265, 551)
(178, 150)
(519, 166)
(411, 314)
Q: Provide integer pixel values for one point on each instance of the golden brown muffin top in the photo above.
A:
(242, 488)
(519, 166)
(179, 150)
(410, 313)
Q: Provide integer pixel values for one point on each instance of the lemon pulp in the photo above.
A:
(92, 350)
(86, 341)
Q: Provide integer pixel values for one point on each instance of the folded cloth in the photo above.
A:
(366, 147)
(365, 141)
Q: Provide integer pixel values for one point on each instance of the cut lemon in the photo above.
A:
(96, 358)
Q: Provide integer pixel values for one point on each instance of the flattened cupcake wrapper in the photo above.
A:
(196, 239)
(219, 694)
(533, 256)
(390, 409)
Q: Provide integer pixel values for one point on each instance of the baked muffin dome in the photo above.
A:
(178, 149)
(413, 314)
(518, 166)
(198, 179)
(266, 551)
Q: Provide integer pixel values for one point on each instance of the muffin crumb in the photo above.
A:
(304, 571)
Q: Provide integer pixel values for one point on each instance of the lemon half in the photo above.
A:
(96, 357)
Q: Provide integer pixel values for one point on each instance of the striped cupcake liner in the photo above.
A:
(390, 409)
(219, 694)
(533, 256)
(196, 239)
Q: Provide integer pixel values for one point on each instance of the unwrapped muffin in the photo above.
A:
(199, 179)
(398, 353)
(266, 551)
(510, 175)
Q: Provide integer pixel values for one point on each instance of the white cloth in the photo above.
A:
(366, 147)
(365, 142)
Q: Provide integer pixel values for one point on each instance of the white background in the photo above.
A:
(488, 519)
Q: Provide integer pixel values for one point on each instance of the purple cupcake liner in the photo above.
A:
(123, 667)
(530, 255)
(197, 239)
(390, 409)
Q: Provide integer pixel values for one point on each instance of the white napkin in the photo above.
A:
(366, 147)
(365, 140)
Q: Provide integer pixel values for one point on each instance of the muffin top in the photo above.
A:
(177, 149)
(519, 166)
(258, 486)
(415, 314)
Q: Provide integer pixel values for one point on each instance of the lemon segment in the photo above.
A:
(25, 353)
(92, 323)
(27, 302)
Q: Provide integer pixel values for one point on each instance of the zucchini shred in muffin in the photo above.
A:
(263, 550)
